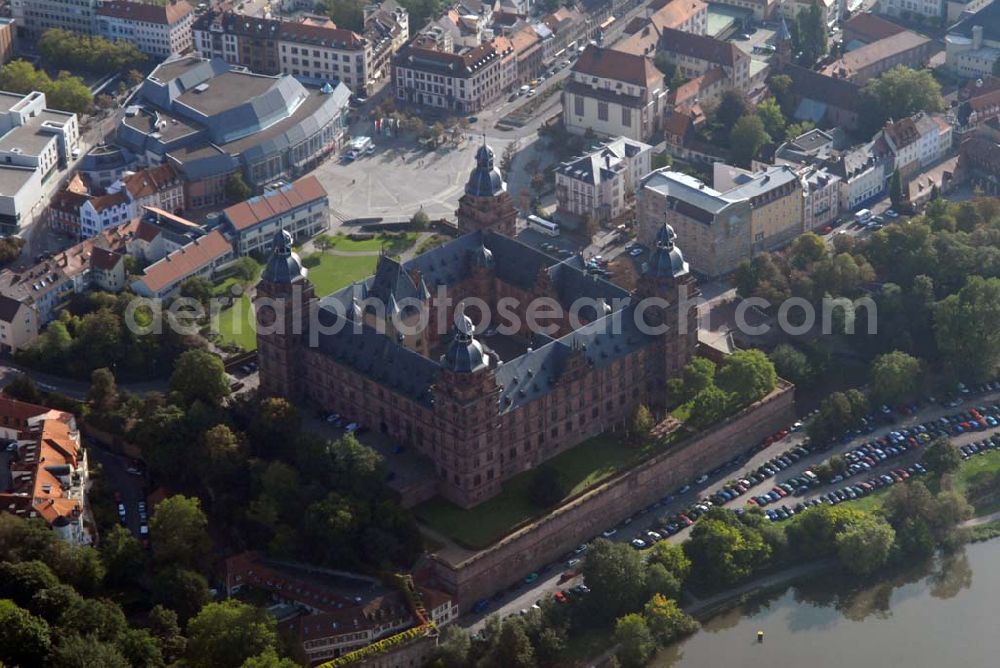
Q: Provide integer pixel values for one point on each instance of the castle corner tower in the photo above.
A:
(282, 305)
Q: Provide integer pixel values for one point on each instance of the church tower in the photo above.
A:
(667, 277)
(486, 205)
(783, 45)
(282, 305)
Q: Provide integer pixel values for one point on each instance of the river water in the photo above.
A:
(938, 614)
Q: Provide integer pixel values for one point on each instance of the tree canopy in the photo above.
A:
(897, 94)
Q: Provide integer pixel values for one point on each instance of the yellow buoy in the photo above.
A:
(760, 636)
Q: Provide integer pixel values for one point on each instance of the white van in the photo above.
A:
(863, 216)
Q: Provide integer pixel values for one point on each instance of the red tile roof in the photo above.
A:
(107, 201)
(264, 207)
(185, 261)
(617, 65)
(150, 181)
(869, 28)
(700, 46)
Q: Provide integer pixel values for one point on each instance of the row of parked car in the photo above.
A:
(980, 447)
(341, 422)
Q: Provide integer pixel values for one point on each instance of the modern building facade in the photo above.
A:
(210, 119)
(481, 416)
(35, 143)
(614, 94)
(598, 187)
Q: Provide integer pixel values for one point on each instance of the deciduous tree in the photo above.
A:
(224, 635)
(635, 641)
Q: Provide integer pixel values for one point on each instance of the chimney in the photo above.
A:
(977, 37)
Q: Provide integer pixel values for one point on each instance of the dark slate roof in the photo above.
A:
(485, 179)
(988, 17)
(534, 374)
(380, 358)
(8, 308)
(408, 373)
(284, 265)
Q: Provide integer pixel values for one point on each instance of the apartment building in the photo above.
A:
(302, 209)
(600, 185)
(916, 142)
(157, 30)
(8, 40)
(614, 94)
(715, 227)
(761, 10)
(830, 10)
(35, 142)
(49, 476)
(464, 83)
(33, 17)
(776, 202)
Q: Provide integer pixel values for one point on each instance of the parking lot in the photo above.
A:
(553, 577)
(130, 487)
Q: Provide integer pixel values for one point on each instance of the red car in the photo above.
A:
(561, 597)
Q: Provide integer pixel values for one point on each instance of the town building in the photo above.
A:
(916, 142)
(821, 190)
(928, 9)
(31, 298)
(614, 94)
(33, 17)
(599, 187)
(644, 33)
(210, 120)
(104, 164)
(35, 142)
(776, 202)
(204, 256)
(979, 104)
(301, 208)
(861, 170)
(716, 227)
(49, 475)
(335, 613)
(980, 153)
(313, 53)
(869, 61)
(159, 30)
(8, 40)
(83, 214)
(464, 83)
(972, 46)
(697, 55)
(567, 25)
(482, 408)
(387, 29)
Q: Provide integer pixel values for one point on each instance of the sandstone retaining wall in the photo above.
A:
(584, 517)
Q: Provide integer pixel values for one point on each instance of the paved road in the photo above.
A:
(131, 487)
(524, 596)
(75, 389)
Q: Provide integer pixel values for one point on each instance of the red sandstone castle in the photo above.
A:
(482, 406)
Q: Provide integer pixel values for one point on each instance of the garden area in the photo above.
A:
(326, 272)
(391, 243)
(578, 469)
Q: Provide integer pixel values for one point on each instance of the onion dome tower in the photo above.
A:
(486, 205)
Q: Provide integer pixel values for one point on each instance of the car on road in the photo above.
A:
(530, 578)
(636, 251)
(638, 543)
(608, 533)
(481, 605)
(702, 479)
(560, 597)
(572, 563)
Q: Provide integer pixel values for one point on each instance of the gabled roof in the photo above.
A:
(617, 66)
(815, 86)
(185, 261)
(854, 61)
(701, 47)
(264, 207)
(988, 18)
(104, 260)
(149, 181)
(107, 201)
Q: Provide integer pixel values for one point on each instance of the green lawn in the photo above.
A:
(327, 273)
(393, 245)
(581, 467)
(980, 467)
